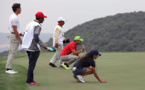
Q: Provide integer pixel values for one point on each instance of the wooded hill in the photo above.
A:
(121, 32)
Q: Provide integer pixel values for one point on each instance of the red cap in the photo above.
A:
(40, 15)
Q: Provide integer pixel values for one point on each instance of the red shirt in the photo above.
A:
(70, 47)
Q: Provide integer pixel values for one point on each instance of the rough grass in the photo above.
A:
(122, 71)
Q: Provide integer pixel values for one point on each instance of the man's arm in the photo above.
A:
(56, 37)
(37, 30)
(77, 52)
(17, 34)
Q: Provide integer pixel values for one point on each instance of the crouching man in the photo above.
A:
(70, 54)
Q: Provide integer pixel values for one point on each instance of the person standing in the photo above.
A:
(32, 43)
(70, 54)
(15, 39)
(86, 66)
(58, 38)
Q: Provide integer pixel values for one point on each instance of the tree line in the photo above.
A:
(121, 32)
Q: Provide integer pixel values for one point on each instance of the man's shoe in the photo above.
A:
(66, 66)
(11, 72)
(33, 83)
(52, 65)
(80, 78)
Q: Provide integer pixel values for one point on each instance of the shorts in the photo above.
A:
(79, 71)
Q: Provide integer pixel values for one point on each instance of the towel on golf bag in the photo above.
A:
(51, 49)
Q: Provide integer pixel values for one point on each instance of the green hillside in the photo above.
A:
(121, 32)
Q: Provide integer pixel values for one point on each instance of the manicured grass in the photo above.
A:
(122, 71)
(13, 82)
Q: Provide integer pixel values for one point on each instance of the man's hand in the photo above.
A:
(21, 34)
(79, 57)
(45, 47)
(20, 41)
(92, 48)
(17, 34)
(56, 45)
(83, 48)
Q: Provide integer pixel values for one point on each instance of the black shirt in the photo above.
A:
(86, 62)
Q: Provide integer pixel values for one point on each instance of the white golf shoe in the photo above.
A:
(76, 78)
(80, 78)
(11, 72)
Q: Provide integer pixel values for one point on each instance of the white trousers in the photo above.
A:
(56, 56)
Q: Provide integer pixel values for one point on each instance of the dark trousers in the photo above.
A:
(33, 56)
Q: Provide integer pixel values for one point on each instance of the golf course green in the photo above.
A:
(121, 70)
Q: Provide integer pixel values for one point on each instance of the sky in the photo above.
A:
(74, 11)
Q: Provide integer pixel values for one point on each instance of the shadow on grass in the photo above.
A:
(15, 81)
(86, 82)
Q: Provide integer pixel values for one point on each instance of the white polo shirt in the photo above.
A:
(14, 21)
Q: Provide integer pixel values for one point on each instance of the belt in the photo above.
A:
(12, 32)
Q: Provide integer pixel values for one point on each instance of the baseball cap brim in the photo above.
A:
(99, 54)
(81, 39)
(44, 16)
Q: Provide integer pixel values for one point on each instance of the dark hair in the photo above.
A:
(16, 6)
(60, 21)
(38, 18)
(87, 55)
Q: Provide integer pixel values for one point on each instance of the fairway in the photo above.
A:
(121, 70)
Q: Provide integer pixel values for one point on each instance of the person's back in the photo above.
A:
(67, 50)
(13, 20)
(86, 62)
(29, 42)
